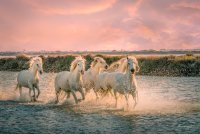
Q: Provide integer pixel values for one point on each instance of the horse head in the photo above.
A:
(36, 64)
(100, 63)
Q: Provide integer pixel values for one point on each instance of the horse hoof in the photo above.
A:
(56, 102)
(79, 100)
(33, 99)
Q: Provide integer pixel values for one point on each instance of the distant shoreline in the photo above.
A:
(113, 52)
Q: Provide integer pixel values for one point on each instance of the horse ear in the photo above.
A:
(96, 59)
(117, 65)
(42, 57)
(127, 57)
(94, 62)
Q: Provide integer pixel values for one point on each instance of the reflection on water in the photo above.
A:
(166, 104)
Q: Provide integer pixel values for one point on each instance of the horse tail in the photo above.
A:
(17, 86)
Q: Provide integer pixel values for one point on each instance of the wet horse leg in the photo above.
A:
(37, 87)
(82, 93)
(74, 95)
(30, 85)
(115, 94)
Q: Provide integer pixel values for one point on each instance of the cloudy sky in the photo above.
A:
(35, 25)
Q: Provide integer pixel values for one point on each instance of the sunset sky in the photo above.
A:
(35, 25)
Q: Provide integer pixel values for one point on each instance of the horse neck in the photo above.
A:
(95, 70)
(35, 72)
(76, 75)
(121, 69)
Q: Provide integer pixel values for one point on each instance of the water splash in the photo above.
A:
(161, 99)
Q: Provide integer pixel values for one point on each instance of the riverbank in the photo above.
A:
(184, 65)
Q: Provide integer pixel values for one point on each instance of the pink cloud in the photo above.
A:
(133, 7)
(98, 25)
(64, 7)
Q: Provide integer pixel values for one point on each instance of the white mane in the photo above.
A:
(75, 62)
(33, 60)
(116, 65)
(95, 61)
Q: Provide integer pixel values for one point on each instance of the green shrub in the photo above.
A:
(184, 65)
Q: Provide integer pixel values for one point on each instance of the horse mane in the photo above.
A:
(134, 59)
(94, 62)
(115, 65)
(75, 62)
(33, 60)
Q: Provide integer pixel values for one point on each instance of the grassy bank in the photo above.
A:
(185, 65)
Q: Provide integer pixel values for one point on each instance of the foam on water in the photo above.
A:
(146, 105)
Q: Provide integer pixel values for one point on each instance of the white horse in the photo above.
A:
(121, 65)
(71, 81)
(120, 82)
(90, 75)
(30, 78)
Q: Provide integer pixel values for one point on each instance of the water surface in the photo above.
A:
(166, 105)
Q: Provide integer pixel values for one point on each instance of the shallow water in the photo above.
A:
(166, 105)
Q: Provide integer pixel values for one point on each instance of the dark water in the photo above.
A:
(166, 105)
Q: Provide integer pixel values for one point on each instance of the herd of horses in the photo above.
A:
(117, 79)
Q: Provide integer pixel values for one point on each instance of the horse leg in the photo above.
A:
(20, 91)
(37, 87)
(30, 94)
(31, 88)
(95, 91)
(74, 95)
(115, 94)
(111, 92)
(68, 95)
(34, 98)
(134, 95)
(126, 97)
(63, 94)
(82, 93)
(86, 91)
(57, 95)
(97, 96)
(137, 98)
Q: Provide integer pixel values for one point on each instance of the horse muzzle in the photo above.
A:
(106, 67)
(82, 72)
(40, 72)
(132, 71)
